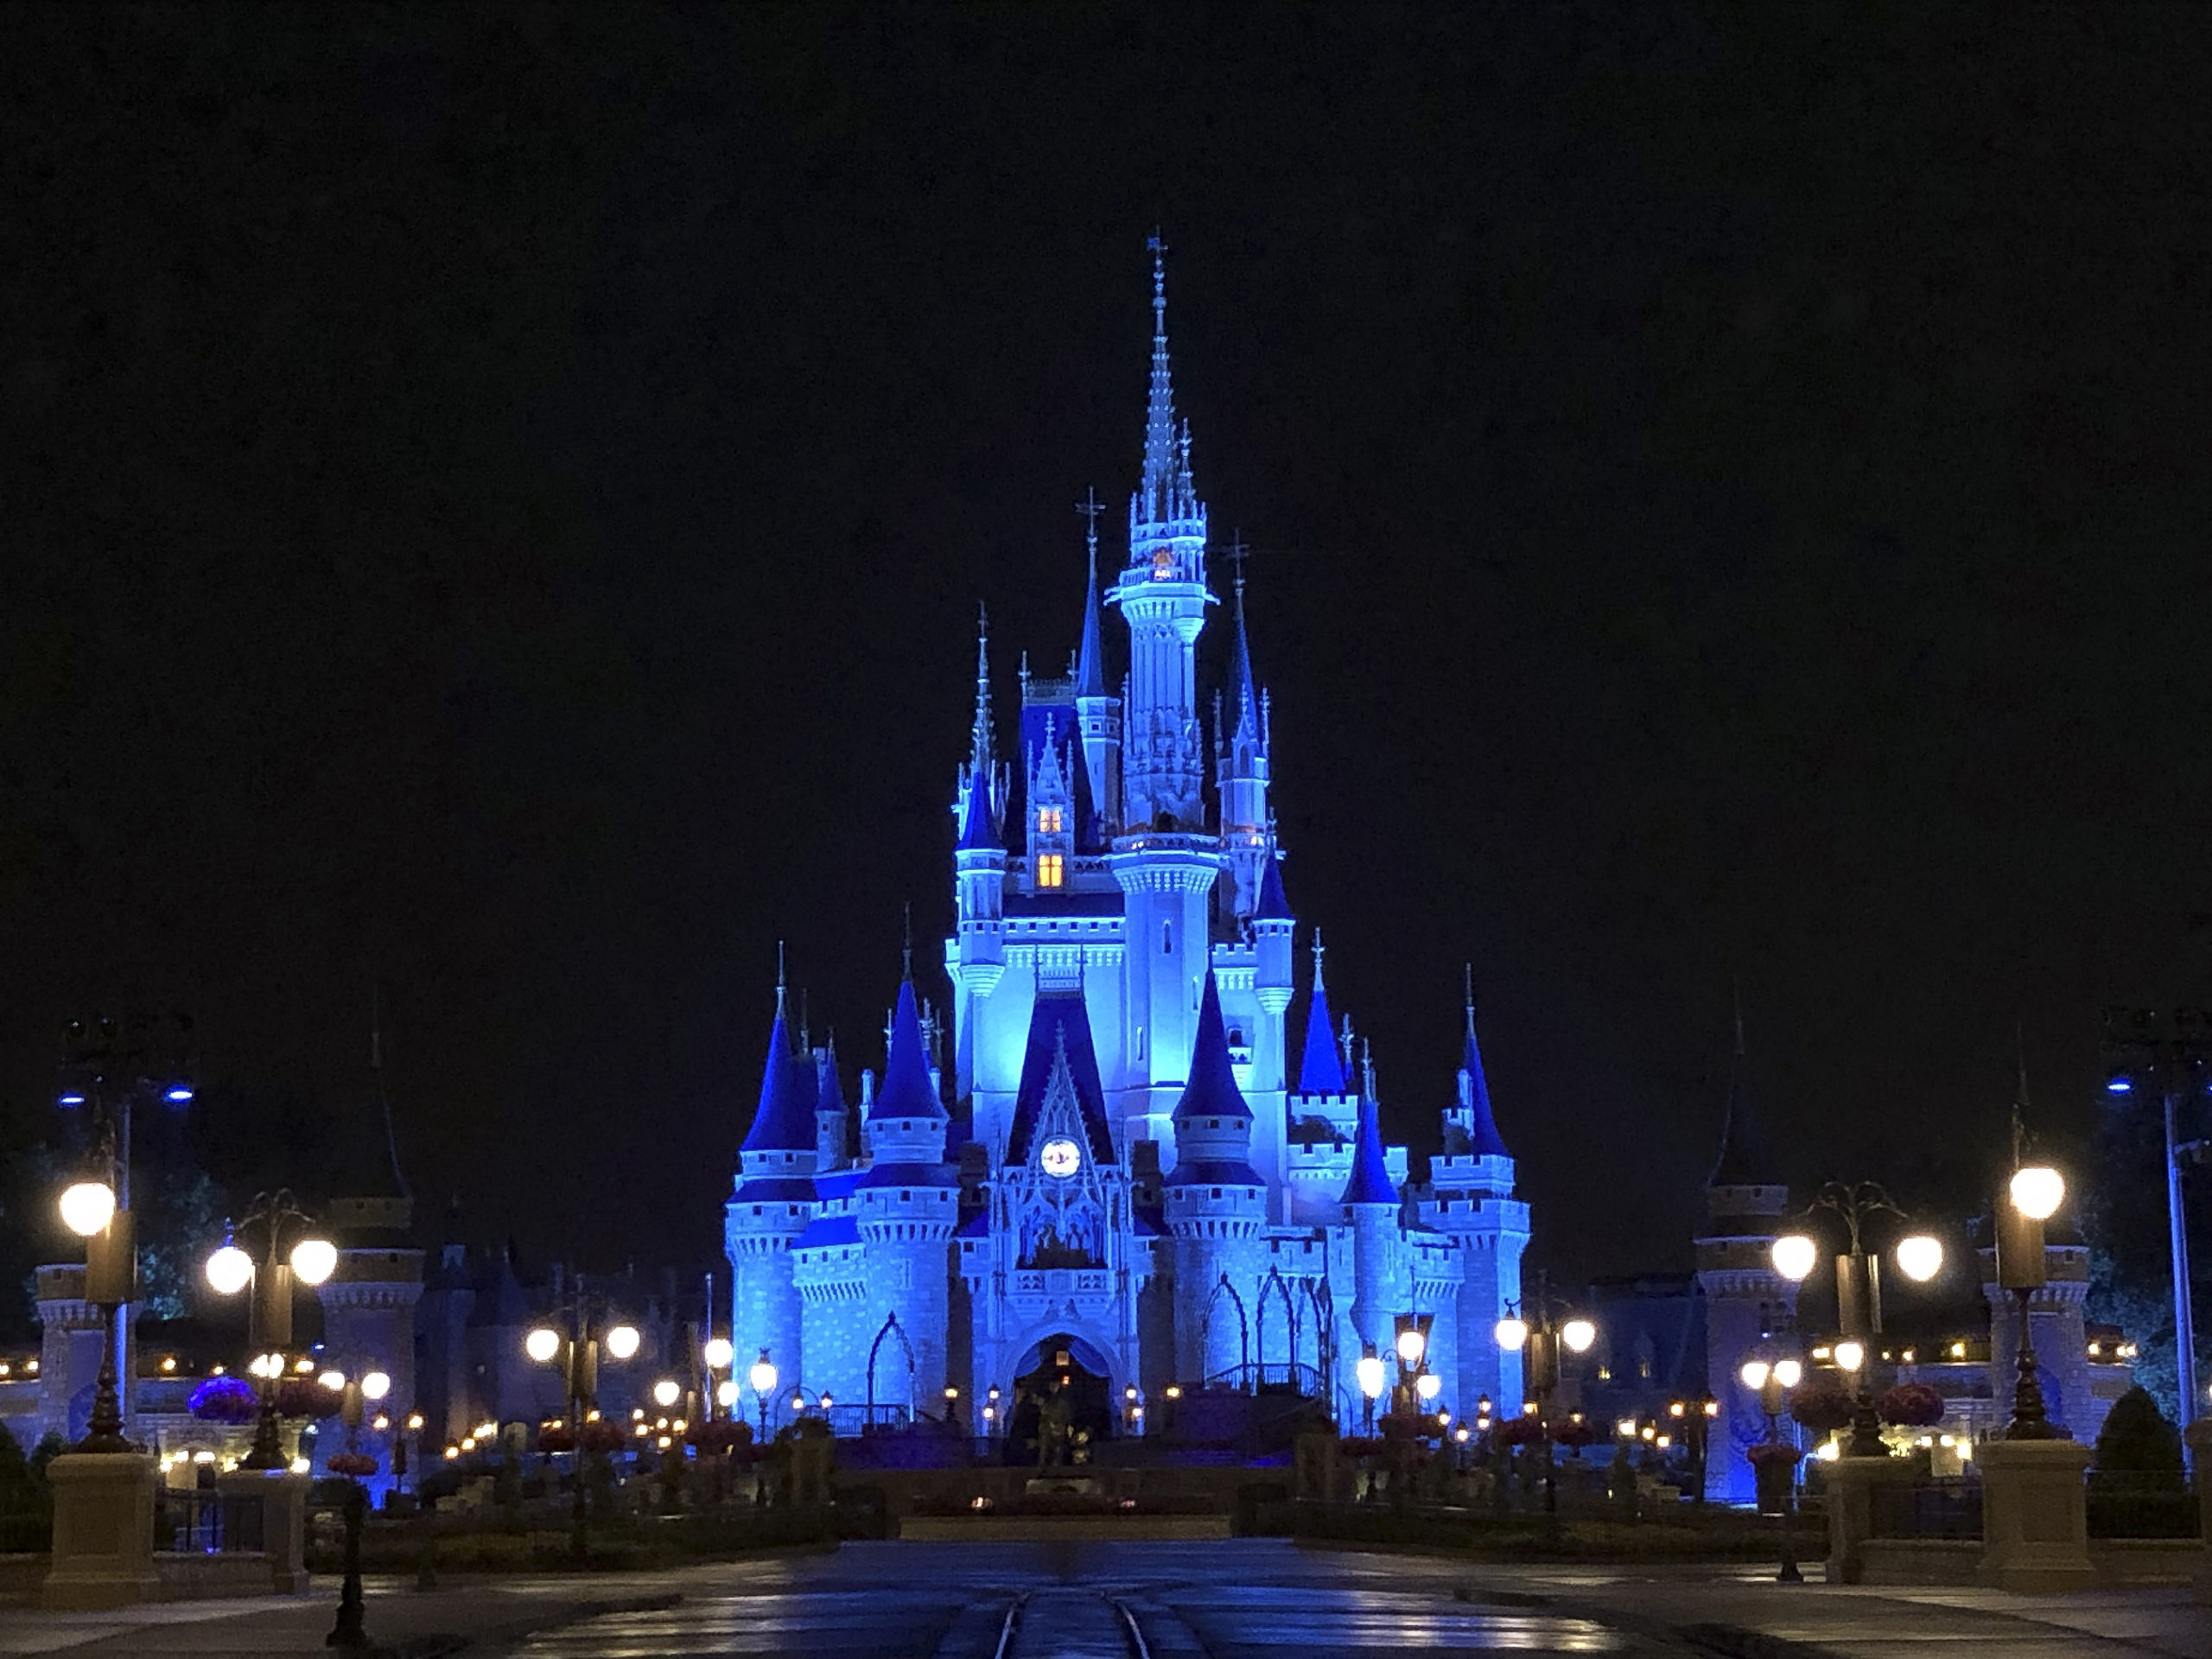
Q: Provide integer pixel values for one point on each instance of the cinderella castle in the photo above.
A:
(1112, 1171)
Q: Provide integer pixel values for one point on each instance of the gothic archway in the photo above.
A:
(891, 1327)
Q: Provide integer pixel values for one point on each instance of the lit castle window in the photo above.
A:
(1049, 870)
(1048, 820)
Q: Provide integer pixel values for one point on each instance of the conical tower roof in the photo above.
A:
(1213, 1091)
(1482, 1138)
(1321, 1067)
(1743, 1161)
(907, 1090)
(784, 1121)
(1370, 1170)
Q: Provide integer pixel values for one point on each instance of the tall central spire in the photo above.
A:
(1159, 447)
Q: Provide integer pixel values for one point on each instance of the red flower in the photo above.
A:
(555, 1439)
(1526, 1429)
(305, 1396)
(1822, 1408)
(600, 1435)
(1773, 1452)
(353, 1462)
(1575, 1435)
(1909, 1405)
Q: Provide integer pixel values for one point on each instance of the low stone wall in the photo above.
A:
(2119, 1562)
(2145, 1561)
(202, 1578)
(1044, 1528)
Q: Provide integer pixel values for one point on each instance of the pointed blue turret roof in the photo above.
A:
(907, 1091)
(1213, 1091)
(1482, 1138)
(1090, 659)
(831, 1097)
(1321, 1071)
(1370, 1174)
(784, 1121)
(1247, 723)
(976, 833)
(1744, 1160)
(1060, 1031)
(1274, 904)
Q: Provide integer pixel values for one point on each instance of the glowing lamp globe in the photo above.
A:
(87, 1207)
(1411, 1345)
(332, 1380)
(1795, 1256)
(1920, 1258)
(1755, 1373)
(762, 1375)
(718, 1353)
(230, 1270)
(1850, 1355)
(665, 1393)
(1789, 1373)
(375, 1386)
(1578, 1335)
(1512, 1332)
(725, 1394)
(541, 1345)
(2037, 1190)
(1369, 1371)
(1429, 1385)
(622, 1341)
(313, 1260)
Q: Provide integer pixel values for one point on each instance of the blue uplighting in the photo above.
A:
(179, 1094)
(2121, 1085)
(72, 1099)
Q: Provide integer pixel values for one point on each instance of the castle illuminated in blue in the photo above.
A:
(1138, 1178)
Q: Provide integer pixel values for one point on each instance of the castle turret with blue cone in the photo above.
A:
(1172, 1177)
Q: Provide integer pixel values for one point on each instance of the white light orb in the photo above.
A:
(1512, 1332)
(1789, 1373)
(1411, 1345)
(1920, 1258)
(313, 1260)
(725, 1394)
(230, 1270)
(1755, 1373)
(622, 1341)
(375, 1386)
(2037, 1190)
(762, 1375)
(1795, 1256)
(541, 1345)
(665, 1392)
(87, 1207)
(1850, 1356)
(1578, 1335)
(332, 1380)
(718, 1353)
(1369, 1371)
(1429, 1385)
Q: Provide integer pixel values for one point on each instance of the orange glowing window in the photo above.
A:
(1049, 873)
(1048, 820)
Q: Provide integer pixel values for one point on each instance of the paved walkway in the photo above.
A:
(1226, 1600)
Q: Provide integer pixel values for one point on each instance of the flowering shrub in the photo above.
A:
(1774, 1453)
(1909, 1405)
(602, 1436)
(722, 1436)
(305, 1396)
(225, 1400)
(1525, 1430)
(557, 1440)
(353, 1462)
(1575, 1435)
(1820, 1408)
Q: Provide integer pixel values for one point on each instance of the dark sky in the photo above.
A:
(496, 499)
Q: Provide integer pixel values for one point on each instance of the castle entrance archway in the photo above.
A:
(1077, 1371)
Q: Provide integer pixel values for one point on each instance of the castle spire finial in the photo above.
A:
(979, 755)
(907, 950)
(780, 979)
(1318, 951)
(1090, 657)
(1162, 451)
(1736, 991)
(1467, 974)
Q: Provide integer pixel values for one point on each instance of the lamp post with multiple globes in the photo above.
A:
(231, 1269)
(1539, 1345)
(1770, 1381)
(575, 1350)
(1918, 1256)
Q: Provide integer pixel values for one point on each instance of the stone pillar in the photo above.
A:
(1851, 1483)
(103, 1531)
(2035, 1515)
(283, 1521)
(2199, 1436)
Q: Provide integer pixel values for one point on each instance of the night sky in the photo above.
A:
(496, 500)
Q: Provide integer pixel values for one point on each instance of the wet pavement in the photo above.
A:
(1247, 1599)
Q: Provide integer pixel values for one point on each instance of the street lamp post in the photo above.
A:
(576, 1350)
(1539, 1345)
(1696, 1417)
(763, 1378)
(1369, 1370)
(2031, 1198)
(90, 1210)
(268, 1315)
(1859, 1290)
(1770, 1383)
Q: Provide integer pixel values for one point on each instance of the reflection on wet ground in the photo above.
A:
(1252, 1598)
